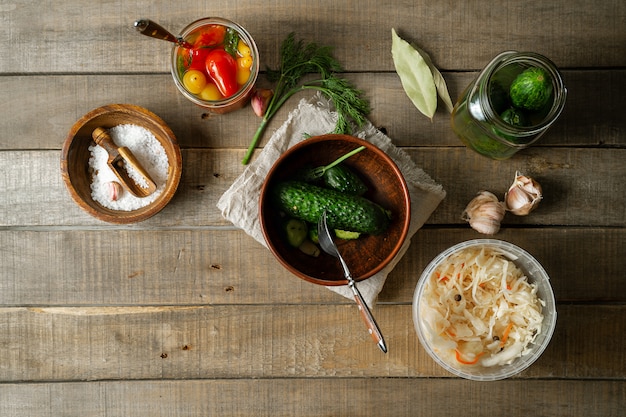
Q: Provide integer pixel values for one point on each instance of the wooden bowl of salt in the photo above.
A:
(93, 185)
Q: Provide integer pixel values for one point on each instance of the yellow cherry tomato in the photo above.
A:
(242, 76)
(244, 62)
(211, 93)
(243, 49)
(194, 81)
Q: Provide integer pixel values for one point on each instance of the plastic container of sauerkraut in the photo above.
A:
(439, 348)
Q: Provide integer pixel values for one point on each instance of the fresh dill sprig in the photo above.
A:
(347, 100)
(298, 59)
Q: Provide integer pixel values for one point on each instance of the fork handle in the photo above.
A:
(368, 318)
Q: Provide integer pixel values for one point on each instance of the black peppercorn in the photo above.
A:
(457, 297)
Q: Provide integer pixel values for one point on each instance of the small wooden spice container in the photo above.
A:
(75, 160)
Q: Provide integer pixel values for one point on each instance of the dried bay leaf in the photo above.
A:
(410, 52)
(415, 75)
(440, 82)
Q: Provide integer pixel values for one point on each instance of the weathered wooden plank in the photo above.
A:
(581, 124)
(195, 267)
(144, 268)
(314, 397)
(184, 315)
(268, 341)
(569, 256)
(77, 36)
(582, 187)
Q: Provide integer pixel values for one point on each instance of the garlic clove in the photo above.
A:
(260, 100)
(484, 213)
(523, 196)
(115, 190)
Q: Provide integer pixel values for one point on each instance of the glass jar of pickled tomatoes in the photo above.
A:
(510, 105)
(218, 66)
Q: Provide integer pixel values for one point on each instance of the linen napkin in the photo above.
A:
(316, 116)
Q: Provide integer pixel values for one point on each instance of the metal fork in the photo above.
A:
(328, 245)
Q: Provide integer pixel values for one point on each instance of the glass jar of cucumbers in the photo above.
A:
(510, 104)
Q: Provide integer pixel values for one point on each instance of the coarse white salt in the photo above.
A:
(150, 154)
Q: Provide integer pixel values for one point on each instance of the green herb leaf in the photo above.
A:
(415, 75)
(347, 100)
(298, 59)
(231, 40)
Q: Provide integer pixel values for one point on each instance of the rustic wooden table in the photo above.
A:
(185, 315)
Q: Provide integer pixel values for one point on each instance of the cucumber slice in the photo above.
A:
(346, 234)
(296, 232)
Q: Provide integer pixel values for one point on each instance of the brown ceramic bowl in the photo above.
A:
(75, 160)
(386, 186)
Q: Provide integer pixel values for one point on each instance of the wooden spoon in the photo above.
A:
(120, 156)
(154, 30)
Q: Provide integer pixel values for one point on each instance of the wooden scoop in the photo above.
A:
(120, 156)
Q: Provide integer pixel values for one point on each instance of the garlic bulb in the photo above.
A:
(484, 213)
(523, 196)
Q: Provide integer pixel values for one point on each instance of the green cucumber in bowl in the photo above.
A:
(353, 213)
(343, 179)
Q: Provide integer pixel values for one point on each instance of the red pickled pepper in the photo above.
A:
(198, 59)
(211, 36)
(222, 68)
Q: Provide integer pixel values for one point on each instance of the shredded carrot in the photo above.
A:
(451, 333)
(463, 361)
(505, 335)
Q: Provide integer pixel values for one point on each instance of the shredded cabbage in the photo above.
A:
(478, 308)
